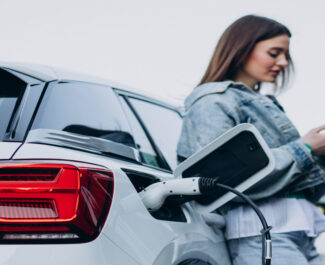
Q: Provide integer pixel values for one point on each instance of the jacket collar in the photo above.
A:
(213, 88)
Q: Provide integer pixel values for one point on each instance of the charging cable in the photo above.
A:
(207, 185)
(155, 195)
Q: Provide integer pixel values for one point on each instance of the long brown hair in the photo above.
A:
(237, 43)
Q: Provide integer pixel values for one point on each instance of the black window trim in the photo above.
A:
(46, 85)
(129, 94)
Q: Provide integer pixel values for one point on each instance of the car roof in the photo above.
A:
(47, 73)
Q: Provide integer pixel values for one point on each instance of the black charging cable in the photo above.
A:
(208, 185)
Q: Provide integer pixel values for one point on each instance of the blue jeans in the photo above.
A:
(287, 248)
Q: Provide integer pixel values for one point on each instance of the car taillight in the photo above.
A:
(53, 202)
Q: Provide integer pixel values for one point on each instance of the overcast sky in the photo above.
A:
(161, 46)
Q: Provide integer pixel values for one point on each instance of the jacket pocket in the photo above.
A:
(279, 120)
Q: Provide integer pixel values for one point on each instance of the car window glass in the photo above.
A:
(86, 109)
(7, 106)
(11, 92)
(164, 125)
(147, 154)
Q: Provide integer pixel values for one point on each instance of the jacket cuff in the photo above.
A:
(301, 154)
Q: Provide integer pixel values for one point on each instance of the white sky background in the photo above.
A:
(161, 46)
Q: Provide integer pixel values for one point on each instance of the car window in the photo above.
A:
(7, 105)
(147, 153)
(86, 109)
(164, 125)
(11, 93)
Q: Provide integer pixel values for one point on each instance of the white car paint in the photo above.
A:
(8, 149)
(129, 225)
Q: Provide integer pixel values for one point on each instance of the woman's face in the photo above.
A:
(266, 61)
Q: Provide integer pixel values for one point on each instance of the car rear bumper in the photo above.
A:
(100, 251)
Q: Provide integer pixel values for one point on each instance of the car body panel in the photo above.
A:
(8, 149)
(128, 218)
(100, 251)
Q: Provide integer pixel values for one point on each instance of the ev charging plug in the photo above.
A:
(155, 195)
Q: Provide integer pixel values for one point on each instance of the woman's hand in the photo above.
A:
(316, 140)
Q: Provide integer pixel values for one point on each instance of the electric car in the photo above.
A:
(75, 152)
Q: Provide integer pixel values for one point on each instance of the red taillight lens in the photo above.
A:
(28, 173)
(60, 201)
(12, 209)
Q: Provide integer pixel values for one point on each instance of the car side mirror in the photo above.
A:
(239, 158)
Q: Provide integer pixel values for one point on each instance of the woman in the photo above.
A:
(251, 51)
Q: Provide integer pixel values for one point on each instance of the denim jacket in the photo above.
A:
(214, 108)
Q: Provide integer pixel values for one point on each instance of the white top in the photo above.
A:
(283, 214)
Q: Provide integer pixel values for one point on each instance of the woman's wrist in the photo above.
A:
(309, 147)
(302, 154)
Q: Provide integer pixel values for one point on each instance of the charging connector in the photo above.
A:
(155, 195)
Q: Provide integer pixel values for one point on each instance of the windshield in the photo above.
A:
(11, 92)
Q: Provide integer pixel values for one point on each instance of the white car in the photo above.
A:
(74, 153)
